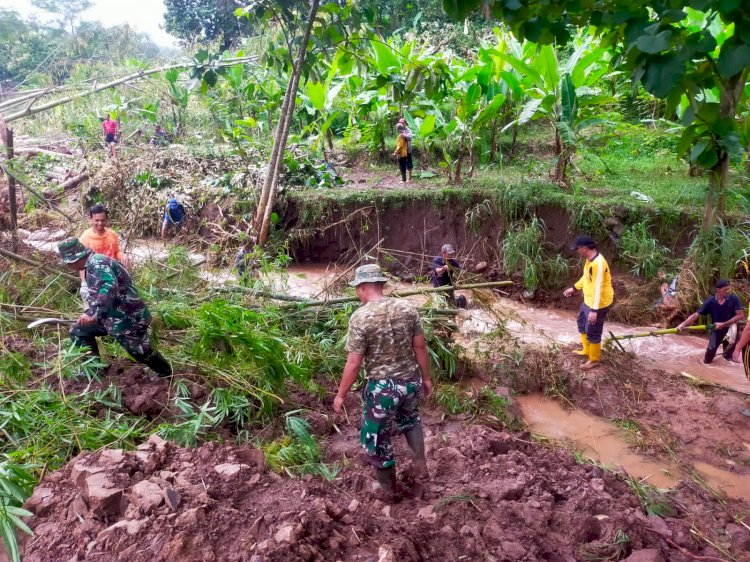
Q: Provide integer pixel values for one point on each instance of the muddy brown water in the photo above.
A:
(601, 441)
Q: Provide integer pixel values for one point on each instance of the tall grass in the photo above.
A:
(642, 252)
(523, 250)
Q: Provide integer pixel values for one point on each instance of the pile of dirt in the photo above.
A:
(491, 496)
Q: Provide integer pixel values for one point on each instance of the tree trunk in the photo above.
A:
(514, 141)
(459, 162)
(716, 196)
(493, 142)
(7, 135)
(283, 130)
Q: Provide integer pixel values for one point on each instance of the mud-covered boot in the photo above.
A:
(415, 441)
(387, 480)
(156, 362)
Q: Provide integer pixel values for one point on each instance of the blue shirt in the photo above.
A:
(445, 278)
(720, 312)
(174, 214)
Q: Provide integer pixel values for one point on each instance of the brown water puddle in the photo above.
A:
(604, 442)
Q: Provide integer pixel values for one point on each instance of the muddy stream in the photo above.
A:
(596, 438)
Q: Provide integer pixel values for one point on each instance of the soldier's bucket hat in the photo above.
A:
(71, 250)
(370, 273)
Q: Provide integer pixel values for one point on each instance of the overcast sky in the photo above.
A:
(144, 15)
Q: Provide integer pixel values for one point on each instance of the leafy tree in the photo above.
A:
(68, 11)
(205, 20)
(695, 54)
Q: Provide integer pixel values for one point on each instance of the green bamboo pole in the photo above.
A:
(661, 332)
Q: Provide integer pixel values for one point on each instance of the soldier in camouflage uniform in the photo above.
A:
(114, 307)
(386, 336)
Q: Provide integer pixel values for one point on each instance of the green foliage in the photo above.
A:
(16, 484)
(642, 251)
(721, 252)
(454, 400)
(204, 21)
(298, 452)
(522, 250)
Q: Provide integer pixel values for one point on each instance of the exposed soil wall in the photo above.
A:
(326, 228)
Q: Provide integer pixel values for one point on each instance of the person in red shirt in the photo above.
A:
(109, 126)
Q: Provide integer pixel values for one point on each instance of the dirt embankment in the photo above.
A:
(491, 496)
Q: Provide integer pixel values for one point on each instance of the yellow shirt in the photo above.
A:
(107, 244)
(596, 283)
(402, 146)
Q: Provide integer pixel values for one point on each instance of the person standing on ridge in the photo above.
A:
(114, 307)
(402, 152)
(598, 296)
(409, 137)
(109, 128)
(386, 335)
(725, 309)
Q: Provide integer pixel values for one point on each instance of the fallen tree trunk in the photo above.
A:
(15, 175)
(74, 181)
(29, 151)
(32, 263)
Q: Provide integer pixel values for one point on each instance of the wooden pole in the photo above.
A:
(7, 137)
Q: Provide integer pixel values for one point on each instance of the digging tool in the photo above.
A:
(42, 321)
(700, 328)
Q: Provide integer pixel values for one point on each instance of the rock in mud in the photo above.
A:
(147, 496)
(645, 555)
(481, 267)
(40, 501)
(288, 534)
(101, 494)
(513, 550)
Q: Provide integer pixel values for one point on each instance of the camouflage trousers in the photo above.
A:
(388, 401)
(135, 343)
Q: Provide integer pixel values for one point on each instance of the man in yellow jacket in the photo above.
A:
(596, 284)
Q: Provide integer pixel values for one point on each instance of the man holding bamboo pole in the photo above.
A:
(386, 336)
(596, 285)
(724, 309)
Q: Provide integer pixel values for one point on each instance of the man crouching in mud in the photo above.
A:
(386, 334)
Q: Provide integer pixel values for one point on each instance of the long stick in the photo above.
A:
(15, 174)
(29, 110)
(27, 261)
(661, 332)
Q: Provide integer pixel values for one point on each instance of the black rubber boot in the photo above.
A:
(156, 362)
(386, 478)
(415, 440)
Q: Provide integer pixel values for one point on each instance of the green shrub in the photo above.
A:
(642, 252)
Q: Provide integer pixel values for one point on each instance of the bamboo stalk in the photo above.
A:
(661, 332)
(340, 300)
(15, 175)
(32, 263)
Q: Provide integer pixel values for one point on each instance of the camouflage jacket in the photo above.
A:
(382, 332)
(112, 297)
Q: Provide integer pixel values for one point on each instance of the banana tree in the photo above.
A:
(564, 94)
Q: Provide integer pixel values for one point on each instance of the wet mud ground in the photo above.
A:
(492, 495)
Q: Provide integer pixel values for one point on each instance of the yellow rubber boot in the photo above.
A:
(585, 350)
(595, 353)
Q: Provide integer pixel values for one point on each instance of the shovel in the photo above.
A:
(55, 321)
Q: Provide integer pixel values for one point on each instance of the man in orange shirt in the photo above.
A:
(101, 240)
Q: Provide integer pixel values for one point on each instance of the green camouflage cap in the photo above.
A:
(71, 250)
(370, 273)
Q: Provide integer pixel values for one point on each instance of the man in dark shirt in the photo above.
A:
(445, 268)
(724, 309)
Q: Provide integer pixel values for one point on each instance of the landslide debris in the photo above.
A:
(492, 495)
